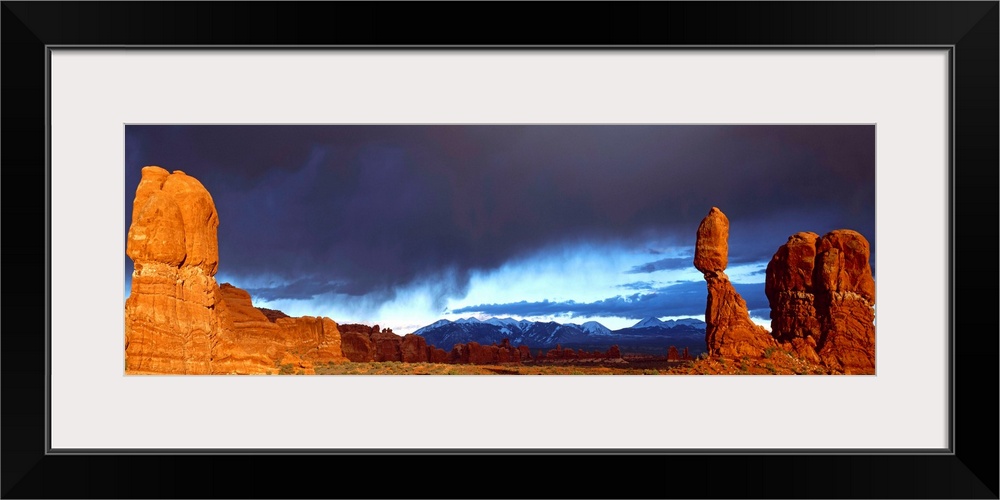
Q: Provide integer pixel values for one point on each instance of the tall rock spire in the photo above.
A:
(730, 332)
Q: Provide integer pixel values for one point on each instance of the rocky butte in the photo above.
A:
(822, 297)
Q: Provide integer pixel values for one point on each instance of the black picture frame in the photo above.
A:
(970, 29)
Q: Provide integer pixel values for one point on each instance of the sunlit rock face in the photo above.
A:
(171, 321)
(313, 340)
(822, 297)
(178, 320)
(729, 331)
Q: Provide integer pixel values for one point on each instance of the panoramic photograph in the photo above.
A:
(499, 249)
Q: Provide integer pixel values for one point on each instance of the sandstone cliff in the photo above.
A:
(172, 324)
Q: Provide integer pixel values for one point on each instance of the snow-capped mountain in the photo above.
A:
(649, 323)
(595, 328)
(650, 333)
(697, 323)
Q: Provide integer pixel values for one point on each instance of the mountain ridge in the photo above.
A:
(647, 335)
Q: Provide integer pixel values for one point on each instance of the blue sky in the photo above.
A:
(404, 225)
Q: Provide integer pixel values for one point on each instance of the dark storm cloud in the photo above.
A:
(373, 208)
(662, 264)
(303, 289)
(682, 299)
(676, 263)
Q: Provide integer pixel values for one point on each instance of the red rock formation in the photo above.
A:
(459, 354)
(556, 353)
(435, 355)
(686, 355)
(413, 349)
(525, 353)
(504, 355)
(789, 289)
(316, 340)
(388, 345)
(672, 354)
(614, 352)
(729, 331)
(474, 353)
(356, 328)
(559, 354)
(178, 319)
(272, 314)
(482, 354)
(357, 347)
(172, 323)
(711, 250)
(508, 353)
(290, 364)
(822, 297)
(310, 338)
(846, 302)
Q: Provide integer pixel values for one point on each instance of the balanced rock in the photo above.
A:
(711, 250)
(729, 331)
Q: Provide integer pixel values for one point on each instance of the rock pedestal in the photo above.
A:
(729, 331)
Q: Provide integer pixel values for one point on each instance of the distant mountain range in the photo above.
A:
(650, 335)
